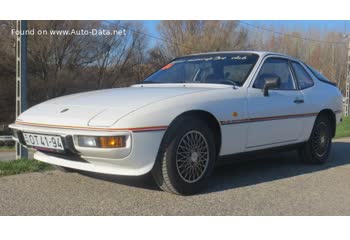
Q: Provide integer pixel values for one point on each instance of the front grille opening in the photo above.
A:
(70, 157)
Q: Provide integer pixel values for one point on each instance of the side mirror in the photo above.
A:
(271, 83)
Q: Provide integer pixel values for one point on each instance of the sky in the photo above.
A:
(151, 26)
(288, 25)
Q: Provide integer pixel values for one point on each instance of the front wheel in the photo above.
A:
(186, 157)
(316, 150)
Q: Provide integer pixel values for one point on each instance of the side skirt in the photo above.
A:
(238, 157)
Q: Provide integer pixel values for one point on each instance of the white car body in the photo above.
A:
(247, 120)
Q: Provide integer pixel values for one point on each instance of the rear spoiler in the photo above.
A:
(329, 82)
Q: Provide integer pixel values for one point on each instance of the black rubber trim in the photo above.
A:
(66, 156)
(237, 157)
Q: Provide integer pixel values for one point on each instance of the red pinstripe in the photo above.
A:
(138, 129)
(246, 120)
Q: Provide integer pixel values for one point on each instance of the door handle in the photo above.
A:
(299, 101)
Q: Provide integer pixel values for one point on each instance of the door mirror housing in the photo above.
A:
(271, 83)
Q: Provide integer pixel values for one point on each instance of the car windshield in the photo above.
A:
(230, 69)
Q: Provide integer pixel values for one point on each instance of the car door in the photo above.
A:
(273, 119)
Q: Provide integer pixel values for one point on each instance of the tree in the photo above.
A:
(186, 37)
(61, 62)
(320, 49)
(7, 72)
(56, 59)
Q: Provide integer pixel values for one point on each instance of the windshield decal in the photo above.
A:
(239, 58)
(199, 59)
(206, 59)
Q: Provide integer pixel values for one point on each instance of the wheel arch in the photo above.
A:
(331, 116)
(208, 118)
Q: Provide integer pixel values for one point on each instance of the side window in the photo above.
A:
(304, 79)
(273, 67)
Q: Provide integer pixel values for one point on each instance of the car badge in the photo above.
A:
(64, 110)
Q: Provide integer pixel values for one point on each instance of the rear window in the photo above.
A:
(319, 75)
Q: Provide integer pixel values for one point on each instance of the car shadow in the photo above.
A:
(272, 167)
(252, 171)
(144, 181)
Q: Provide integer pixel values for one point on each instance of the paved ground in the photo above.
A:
(275, 185)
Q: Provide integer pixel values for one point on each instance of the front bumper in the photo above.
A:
(137, 159)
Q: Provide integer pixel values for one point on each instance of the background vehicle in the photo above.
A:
(184, 117)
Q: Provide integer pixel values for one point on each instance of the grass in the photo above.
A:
(7, 148)
(343, 129)
(22, 166)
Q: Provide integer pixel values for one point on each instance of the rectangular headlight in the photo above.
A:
(102, 142)
(87, 141)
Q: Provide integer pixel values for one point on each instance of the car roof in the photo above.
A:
(260, 53)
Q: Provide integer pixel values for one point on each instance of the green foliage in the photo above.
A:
(7, 148)
(22, 166)
(343, 129)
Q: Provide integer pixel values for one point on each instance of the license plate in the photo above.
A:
(43, 141)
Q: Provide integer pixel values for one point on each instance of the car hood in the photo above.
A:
(102, 108)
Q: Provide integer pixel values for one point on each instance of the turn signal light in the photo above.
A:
(112, 142)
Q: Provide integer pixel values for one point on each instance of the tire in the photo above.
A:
(180, 167)
(317, 149)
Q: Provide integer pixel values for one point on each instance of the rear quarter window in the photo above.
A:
(303, 78)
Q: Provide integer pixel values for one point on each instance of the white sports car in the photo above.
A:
(182, 119)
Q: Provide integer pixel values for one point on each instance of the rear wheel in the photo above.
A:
(186, 157)
(316, 150)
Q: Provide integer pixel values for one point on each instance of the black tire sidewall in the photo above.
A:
(309, 154)
(177, 182)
